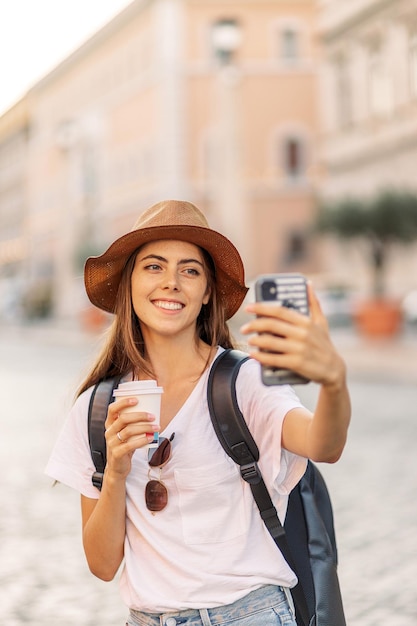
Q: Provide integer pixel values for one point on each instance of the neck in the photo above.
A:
(177, 359)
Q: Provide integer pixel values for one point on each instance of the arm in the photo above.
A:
(104, 520)
(104, 523)
(303, 344)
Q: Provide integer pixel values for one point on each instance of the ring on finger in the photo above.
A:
(119, 438)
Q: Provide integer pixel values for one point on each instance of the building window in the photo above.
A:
(289, 44)
(296, 248)
(293, 158)
(413, 63)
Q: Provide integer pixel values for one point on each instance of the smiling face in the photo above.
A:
(169, 287)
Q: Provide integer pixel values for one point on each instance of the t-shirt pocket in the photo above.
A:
(211, 502)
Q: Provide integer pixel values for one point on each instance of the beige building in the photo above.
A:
(14, 137)
(214, 102)
(369, 111)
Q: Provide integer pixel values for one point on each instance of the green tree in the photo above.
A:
(388, 218)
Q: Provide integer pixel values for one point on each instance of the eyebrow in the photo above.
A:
(161, 258)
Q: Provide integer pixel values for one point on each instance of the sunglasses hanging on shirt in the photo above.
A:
(156, 494)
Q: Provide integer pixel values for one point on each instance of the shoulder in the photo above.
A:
(252, 395)
(77, 417)
(256, 398)
(70, 461)
(82, 402)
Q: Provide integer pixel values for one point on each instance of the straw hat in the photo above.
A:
(171, 219)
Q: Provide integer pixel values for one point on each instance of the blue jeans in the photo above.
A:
(267, 606)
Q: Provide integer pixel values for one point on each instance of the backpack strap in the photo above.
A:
(237, 441)
(100, 399)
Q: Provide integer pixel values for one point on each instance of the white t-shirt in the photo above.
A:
(209, 546)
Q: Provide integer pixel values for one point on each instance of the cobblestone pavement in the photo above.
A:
(44, 580)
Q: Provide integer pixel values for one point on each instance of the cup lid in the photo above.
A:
(138, 386)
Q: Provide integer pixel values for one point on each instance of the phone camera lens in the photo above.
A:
(269, 290)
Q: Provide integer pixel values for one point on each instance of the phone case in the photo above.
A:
(288, 290)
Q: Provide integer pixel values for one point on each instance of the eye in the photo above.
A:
(153, 267)
(192, 271)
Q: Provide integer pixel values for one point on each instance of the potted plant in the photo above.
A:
(388, 218)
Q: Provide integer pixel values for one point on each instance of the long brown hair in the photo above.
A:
(124, 348)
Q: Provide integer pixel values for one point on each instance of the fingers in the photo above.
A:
(285, 338)
(278, 343)
(115, 409)
(316, 312)
(274, 310)
(129, 440)
(282, 321)
(135, 434)
(279, 334)
(276, 321)
(124, 426)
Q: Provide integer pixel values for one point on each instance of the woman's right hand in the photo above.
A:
(126, 432)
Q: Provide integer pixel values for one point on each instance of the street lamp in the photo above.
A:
(229, 195)
(226, 39)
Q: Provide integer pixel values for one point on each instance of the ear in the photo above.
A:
(207, 296)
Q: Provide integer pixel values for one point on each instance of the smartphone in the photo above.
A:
(289, 290)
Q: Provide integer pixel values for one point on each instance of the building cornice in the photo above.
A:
(347, 16)
(362, 148)
(122, 19)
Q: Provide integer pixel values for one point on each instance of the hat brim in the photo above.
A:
(102, 273)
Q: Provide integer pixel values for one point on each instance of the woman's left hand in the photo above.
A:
(288, 339)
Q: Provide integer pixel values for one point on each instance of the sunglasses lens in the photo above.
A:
(156, 496)
(161, 455)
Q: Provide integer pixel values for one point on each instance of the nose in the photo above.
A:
(171, 280)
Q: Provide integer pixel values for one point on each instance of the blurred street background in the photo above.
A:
(293, 126)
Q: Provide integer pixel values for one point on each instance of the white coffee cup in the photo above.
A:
(148, 395)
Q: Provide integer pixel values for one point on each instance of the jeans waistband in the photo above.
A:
(268, 595)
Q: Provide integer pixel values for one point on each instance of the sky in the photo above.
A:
(36, 35)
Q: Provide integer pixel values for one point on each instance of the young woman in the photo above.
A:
(202, 555)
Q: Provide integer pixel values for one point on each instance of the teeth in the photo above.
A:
(172, 306)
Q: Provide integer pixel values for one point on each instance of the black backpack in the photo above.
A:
(307, 540)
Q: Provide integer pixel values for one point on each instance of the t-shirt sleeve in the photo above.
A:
(70, 462)
(264, 408)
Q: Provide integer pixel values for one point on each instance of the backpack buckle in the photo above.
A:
(250, 473)
(97, 479)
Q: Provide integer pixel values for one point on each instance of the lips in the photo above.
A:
(168, 305)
